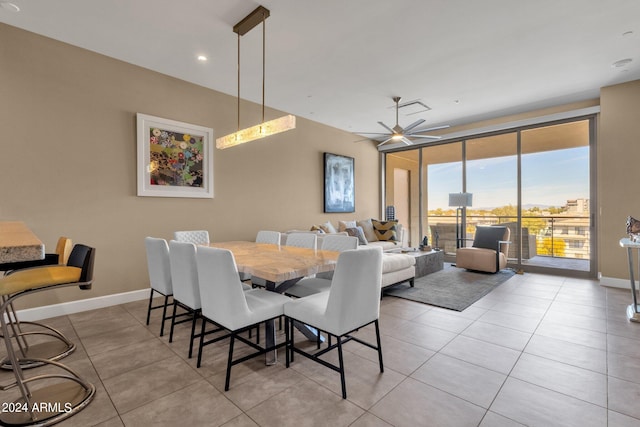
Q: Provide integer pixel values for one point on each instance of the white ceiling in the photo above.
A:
(339, 62)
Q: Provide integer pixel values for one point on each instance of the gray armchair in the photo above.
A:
(488, 252)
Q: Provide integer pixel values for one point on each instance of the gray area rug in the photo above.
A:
(452, 288)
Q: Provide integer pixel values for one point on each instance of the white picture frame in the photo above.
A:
(175, 159)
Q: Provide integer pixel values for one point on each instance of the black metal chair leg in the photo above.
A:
(164, 314)
(379, 347)
(204, 323)
(193, 332)
(173, 320)
(229, 361)
(149, 310)
(341, 361)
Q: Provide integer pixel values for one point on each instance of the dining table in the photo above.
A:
(18, 243)
(281, 267)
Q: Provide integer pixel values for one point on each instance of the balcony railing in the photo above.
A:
(559, 236)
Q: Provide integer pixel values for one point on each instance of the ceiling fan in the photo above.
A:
(398, 133)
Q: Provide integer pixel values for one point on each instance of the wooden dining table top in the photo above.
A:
(19, 243)
(278, 263)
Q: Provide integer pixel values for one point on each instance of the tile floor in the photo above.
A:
(538, 350)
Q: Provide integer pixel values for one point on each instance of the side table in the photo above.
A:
(632, 310)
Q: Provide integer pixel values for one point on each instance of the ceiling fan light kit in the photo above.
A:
(264, 129)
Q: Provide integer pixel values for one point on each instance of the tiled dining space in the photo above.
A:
(538, 350)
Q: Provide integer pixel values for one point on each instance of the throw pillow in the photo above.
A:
(343, 225)
(319, 228)
(367, 227)
(329, 228)
(386, 230)
(359, 233)
(487, 237)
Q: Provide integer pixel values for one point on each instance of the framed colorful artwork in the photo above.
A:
(175, 159)
(339, 183)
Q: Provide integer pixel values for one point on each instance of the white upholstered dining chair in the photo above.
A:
(225, 304)
(197, 237)
(159, 268)
(322, 281)
(302, 240)
(353, 301)
(186, 293)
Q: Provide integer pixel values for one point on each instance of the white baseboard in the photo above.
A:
(612, 282)
(62, 309)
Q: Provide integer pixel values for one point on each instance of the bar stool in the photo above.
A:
(55, 349)
(55, 401)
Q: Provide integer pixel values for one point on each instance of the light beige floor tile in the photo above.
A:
(623, 397)
(397, 355)
(624, 328)
(464, 380)
(624, 367)
(403, 309)
(575, 320)
(508, 320)
(196, 405)
(570, 380)
(481, 353)
(305, 403)
(536, 406)
(370, 420)
(505, 337)
(622, 345)
(620, 420)
(122, 359)
(442, 320)
(569, 353)
(414, 403)
(491, 419)
(115, 339)
(143, 385)
(581, 310)
(241, 420)
(422, 335)
(580, 336)
(103, 320)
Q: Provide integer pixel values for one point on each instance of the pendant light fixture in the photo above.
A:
(264, 129)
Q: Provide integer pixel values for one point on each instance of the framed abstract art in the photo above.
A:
(175, 159)
(339, 183)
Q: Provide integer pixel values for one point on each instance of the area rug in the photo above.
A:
(452, 288)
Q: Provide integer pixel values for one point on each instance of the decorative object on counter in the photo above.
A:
(424, 245)
(175, 159)
(633, 229)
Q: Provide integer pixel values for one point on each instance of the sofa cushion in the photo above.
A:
(488, 237)
(386, 230)
(367, 227)
(359, 233)
(396, 262)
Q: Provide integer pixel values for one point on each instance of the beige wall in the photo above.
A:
(68, 161)
(618, 172)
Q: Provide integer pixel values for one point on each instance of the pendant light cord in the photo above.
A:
(263, 60)
(238, 81)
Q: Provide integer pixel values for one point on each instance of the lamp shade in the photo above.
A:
(460, 199)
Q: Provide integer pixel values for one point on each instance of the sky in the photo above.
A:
(549, 178)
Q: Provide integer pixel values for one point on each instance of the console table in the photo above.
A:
(632, 311)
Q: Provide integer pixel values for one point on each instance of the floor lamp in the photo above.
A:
(460, 201)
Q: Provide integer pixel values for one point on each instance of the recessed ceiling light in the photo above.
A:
(621, 63)
(9, 6)
(202, 58)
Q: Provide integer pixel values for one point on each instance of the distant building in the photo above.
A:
(577, 206)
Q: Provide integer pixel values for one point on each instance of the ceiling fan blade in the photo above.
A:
(414, 124)
(406, 141)
(386, 127)
(385, 141)
(425, 136)
(371, 133)
(431, 129)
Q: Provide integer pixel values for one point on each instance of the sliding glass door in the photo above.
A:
(535, 180)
